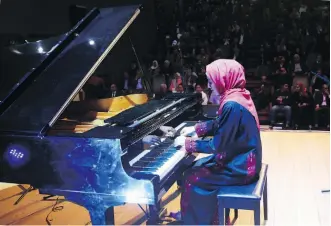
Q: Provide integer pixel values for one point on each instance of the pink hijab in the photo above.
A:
(228, 77)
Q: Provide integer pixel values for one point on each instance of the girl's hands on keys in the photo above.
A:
(151, 139)
(179, 141)
(187, 131)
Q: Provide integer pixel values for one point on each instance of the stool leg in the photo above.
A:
(265, 199)
(257, 214)
(220, 213)
(236, 214)
(227, 216)
(227, 213)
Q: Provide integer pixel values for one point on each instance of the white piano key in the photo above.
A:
(180, 126)
(167, 166)
(170, 164)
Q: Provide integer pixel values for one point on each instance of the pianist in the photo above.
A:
(235, 146)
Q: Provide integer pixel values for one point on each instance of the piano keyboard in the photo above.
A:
(160, 159)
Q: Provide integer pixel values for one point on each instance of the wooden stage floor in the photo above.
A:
(299, 168)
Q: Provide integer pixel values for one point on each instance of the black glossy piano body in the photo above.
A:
(93, 168)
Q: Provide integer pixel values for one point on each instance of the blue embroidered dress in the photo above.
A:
(236, 160)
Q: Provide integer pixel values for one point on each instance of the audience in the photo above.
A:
(302, 108)
(299, 71)
(198, 89)
(180, 88)
(294, 57)
(281, 75)
(281, 103)
(163, 91)
(300, 36)
(113, 92)
(262, 95)
(127, 83)
(175, 82)
(322, 107)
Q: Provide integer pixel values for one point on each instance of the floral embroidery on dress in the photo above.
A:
(251, 166)
(201, 129)
(190, 145)
(219, 158)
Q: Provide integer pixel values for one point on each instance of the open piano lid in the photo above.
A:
(57, 76)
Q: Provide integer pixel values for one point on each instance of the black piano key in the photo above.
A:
(154, 159)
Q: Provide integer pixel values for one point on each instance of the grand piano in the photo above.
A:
(102, 166)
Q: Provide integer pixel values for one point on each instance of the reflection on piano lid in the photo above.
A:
(53, 78)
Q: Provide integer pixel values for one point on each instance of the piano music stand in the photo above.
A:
(24, 192)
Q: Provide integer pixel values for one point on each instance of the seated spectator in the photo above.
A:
(191, 78)
(113, 92)
(201, 77)
(133, 70)
(139, 81)
(281, 75)
(263, 70)
(318, 79)
(155, 77)
(175, 82)
(127, 83)
(320, 64)
(302, 109)
(298, 67)
(299, 71)
(203, 57)
(263, 94)
(198, 89)
(322, 107)
(281, 103)
(167, 71)
(162, 92)
(180, 89)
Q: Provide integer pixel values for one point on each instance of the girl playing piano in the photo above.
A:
(235, 146)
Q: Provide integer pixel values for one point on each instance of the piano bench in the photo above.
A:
(247, 197)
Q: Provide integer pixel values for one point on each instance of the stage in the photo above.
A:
(299, 168)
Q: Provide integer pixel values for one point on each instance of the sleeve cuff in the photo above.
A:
(190, 145)
(201, 129)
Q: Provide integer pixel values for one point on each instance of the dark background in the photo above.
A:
(38, 19)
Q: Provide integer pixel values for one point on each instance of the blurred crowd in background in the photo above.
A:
(283, 45)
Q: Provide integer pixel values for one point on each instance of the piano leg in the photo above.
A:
(156, 213)
(102, 216)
